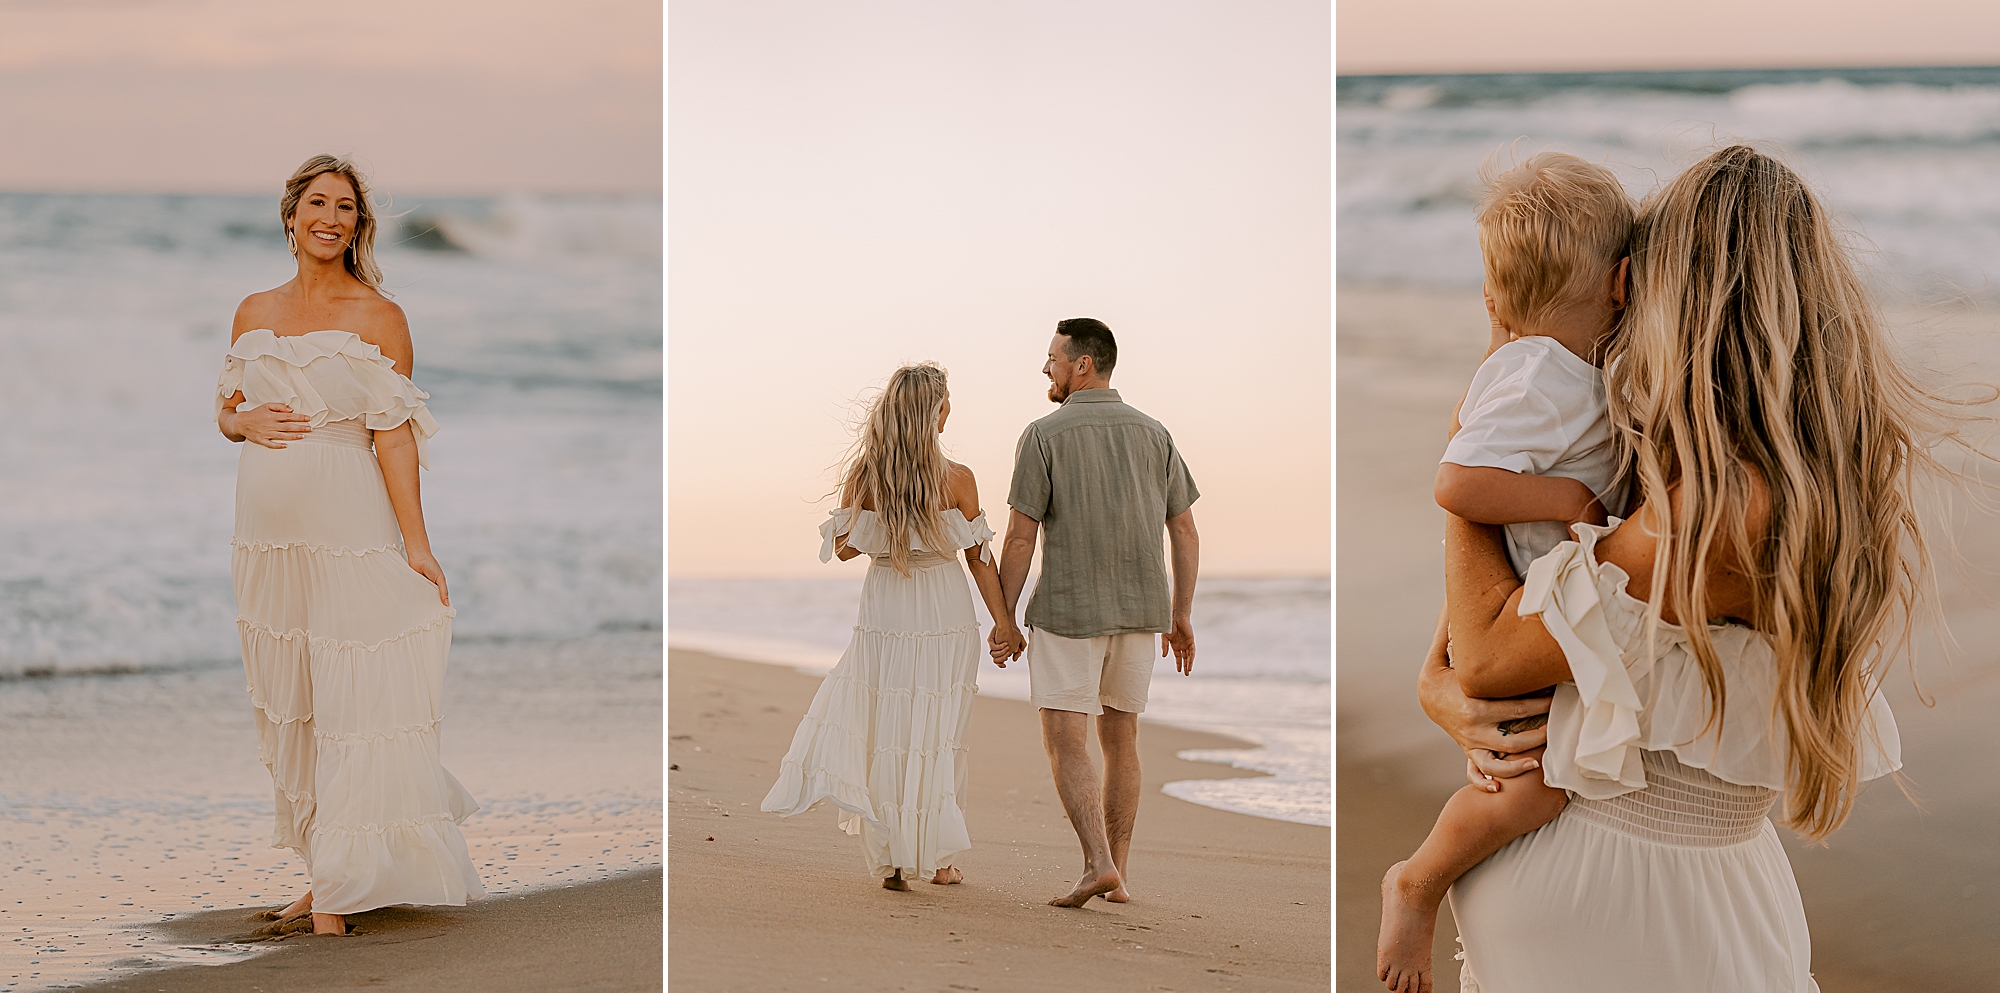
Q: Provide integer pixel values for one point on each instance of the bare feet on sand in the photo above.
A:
(896, 882)
(291, 910)
(1093, 884)
(1403, 952)
(947, 875)
(1119, 895)
(329, 924)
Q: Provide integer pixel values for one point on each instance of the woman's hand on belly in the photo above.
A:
(269, 425)
(427, 566)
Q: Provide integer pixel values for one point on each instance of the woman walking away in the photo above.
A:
(884, 739)
(343, 610)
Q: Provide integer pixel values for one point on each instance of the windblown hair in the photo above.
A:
(1550, 231)
(898, 465)
(1751, 352)
(360, 256)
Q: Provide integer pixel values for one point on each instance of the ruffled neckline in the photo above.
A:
(865, 532)
(1630, 693)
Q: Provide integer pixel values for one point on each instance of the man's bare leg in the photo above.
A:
(1066, 736)
(1118, 734)
(895, 881)
(329, 924)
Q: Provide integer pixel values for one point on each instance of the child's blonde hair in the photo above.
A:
(1550, 229)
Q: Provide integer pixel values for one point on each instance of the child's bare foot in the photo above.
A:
(1403, 951)
(291, 910)
(1092, 884)
(896, 882)
(947, 875)
(329, 924)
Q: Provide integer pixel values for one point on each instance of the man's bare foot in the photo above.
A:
(947, 875)
(1092, 884)
(896, 882)
(1403, 951)
(329, 924)
(1119, 895)
(291, 910)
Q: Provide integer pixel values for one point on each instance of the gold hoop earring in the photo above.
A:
(291, 243)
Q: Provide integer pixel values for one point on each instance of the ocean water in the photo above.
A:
(536, 324)
(1909, 159)
(1263, 671)
(129, 784)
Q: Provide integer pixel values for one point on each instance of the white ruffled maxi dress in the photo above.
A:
(344, 645)
(884, 738)
(1664, 874)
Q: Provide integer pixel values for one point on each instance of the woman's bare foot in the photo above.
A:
(291, 910)
(329, 924)
(896, 883)
(947, 875)
(1092, 884)
(1403, 951)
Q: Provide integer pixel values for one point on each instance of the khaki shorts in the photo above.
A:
(1086, 675)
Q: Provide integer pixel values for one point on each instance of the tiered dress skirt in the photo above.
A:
(344, 648)
(884, 738)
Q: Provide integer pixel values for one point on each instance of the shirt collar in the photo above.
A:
(1103, 394)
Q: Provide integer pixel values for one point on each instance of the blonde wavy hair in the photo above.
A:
(1751, 349)
(898, 464)
(360, 256)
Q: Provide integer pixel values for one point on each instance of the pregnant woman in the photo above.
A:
(343, 610)
(1721, 648)
(884, 738)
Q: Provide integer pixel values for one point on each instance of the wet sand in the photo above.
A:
(1901, 898)
(1223, 901)
(601, 936)
(129, 799)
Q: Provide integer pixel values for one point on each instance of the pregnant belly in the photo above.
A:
(326, 490)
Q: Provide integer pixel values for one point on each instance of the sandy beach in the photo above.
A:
(1901, 898)
(599, 937)
(1223, 901)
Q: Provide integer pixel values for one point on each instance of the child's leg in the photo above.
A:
(1473, 825)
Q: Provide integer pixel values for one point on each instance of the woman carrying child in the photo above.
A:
(1776, 444)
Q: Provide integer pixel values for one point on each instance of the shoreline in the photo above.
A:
(579, 936)
(1222, 900)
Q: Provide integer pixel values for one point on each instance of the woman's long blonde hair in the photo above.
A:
(898, 464)
(1751, 349)
(359, 259)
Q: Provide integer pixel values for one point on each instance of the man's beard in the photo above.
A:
(1056, 393)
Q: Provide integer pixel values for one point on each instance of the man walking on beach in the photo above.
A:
(1099, 481)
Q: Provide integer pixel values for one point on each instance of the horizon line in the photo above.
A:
(1671, 69)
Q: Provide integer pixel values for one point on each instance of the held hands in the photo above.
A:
(426, 565)
(1006, 642)
(1180, 641)
(270, 425)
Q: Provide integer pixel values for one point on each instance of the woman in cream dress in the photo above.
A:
(1775, 441)
(343, 610)
(884, 738)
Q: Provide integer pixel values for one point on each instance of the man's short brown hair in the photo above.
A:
(1550, 229)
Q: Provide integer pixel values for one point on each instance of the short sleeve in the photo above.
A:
(1181, 491)
(1031, 488)
(1508, 421)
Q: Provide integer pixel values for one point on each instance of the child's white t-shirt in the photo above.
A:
(1535, 407)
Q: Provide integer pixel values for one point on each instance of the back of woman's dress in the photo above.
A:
(344, 645)
(1665, 872)
(884, 738)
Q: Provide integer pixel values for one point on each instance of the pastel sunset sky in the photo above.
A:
(853, 186)
(432, 96)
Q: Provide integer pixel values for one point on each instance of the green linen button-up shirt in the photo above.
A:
(1102, 479)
